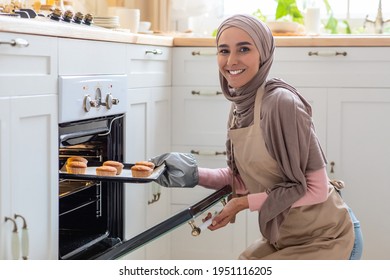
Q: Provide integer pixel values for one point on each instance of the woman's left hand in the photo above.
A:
(228, 213)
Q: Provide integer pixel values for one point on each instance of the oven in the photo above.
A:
(91, 125)
(91, 207)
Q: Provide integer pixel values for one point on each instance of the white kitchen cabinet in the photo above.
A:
(148, 133)
(199, 117)
(29, 144)
(29, 173)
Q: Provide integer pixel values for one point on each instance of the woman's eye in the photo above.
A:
(244, 49)
(223, 51)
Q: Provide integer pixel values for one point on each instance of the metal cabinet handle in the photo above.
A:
(332, 164)
(200, 53)
(18, 42)
(198, 92)
(25, 240)
(207, 153)
(327, 53)
(15, 243)
(155, 51)
(156, 194)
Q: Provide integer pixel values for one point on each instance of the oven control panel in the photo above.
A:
(87, 97)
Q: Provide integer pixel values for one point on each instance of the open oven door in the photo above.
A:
(185, 216)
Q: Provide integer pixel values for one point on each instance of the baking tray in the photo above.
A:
(125, 176)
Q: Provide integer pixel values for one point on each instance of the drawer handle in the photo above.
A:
(216, 153)
(25, 240)
(327, 53)
(155, 51)
(198, 92)
(15, 243)
(18, 42)
(194, 53)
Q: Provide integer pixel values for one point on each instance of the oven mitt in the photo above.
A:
(181, 170)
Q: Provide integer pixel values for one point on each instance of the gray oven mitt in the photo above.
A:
(181, 170)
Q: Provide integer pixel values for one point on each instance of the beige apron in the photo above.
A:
(321, 231)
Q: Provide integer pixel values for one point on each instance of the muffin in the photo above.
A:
(118, 165)
(76, 167)
(146, 163)
(76, 158)
(106, 171)
(141, 171)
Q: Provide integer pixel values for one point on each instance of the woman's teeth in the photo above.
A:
(235, 72)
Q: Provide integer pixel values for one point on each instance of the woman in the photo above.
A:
(275, 162)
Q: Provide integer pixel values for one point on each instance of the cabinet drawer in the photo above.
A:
(199, 116)
(148, 66)
(195, 66)
(30, 70)
(333, 66)
(83, 57)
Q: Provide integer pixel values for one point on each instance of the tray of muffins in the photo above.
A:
(78, 168)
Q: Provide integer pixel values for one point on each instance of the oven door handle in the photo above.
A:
(80, 134)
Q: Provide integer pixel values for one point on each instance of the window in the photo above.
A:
(355, 11)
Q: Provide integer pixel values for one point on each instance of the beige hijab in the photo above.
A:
(292, 156)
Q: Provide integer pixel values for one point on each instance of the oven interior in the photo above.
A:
(90, 212)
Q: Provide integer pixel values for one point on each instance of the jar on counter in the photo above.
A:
(313, 18)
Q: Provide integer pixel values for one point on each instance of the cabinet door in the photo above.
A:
(148, 66)
(28, 70)
(358, 145)
(147, 135)
(135, 150)
(5, 180)
(34, 171)
(158, 142)
(199, 116)
(195, 66)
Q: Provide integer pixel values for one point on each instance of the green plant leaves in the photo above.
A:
(288, 8)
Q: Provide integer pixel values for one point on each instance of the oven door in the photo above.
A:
(185, 216)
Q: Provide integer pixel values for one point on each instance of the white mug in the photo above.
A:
(134, 16)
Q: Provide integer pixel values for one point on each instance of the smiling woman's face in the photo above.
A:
(238, 57)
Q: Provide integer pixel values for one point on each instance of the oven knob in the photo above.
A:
(88, 103)
(68, 16)
(111, 101)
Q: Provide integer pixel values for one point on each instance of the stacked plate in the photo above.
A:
(111, 22)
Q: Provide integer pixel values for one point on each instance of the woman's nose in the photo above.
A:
(232, 59)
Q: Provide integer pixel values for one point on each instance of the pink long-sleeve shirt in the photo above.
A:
(317, 186)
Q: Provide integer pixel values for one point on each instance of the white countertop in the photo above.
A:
(47, 27)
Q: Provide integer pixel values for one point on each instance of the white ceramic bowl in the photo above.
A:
(144, 26)
(283, 26)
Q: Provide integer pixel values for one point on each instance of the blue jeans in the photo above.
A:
(357, 249)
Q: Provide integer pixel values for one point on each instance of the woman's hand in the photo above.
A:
(228, 213)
